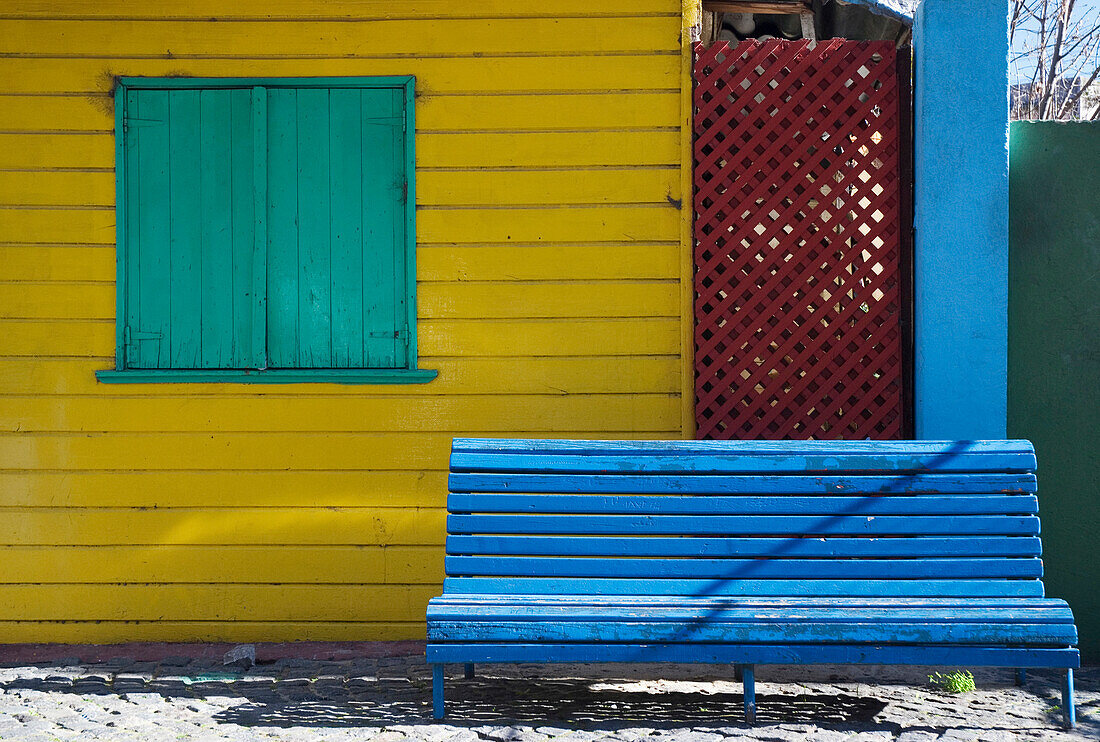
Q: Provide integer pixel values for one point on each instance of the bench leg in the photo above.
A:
(748, 681)
(469, 671)
(437, 691)
(1021, 676)
(1069, 714)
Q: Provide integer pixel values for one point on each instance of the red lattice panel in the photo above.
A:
(798, 210)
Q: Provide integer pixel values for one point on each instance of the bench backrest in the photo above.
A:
(747, 518)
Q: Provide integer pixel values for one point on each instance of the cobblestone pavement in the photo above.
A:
(388, 700)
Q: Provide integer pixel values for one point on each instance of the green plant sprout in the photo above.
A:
(960, 681)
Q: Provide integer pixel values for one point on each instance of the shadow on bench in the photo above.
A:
(746, 552)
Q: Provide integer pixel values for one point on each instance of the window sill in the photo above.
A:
(268, 376)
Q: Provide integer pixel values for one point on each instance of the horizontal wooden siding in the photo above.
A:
(549, 224)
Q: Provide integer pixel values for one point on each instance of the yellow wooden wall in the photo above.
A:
(550, 264)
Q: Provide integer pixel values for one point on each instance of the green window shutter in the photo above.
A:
(190, 229)
(336, 283)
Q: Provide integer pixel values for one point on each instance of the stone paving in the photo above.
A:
(388, 700)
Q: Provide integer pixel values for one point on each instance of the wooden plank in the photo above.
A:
(765, 504)
(918, 546)
(53, 226)
(216, 159)
(225, 525)
(211, 488)
(735, 525)
(149, 248)
(283, 273)
(548, 149)
(464, 300)
(551, 262)
(611, 610)
(779, 654)
(314, 265)
(712, 630)
(315, 9)
(382, 209)
(560, 377)
(252, 339)
(436, 111)
(778, 566)
(183, 286)
(763, 587)
(410, 413)
(310, 38)
(120, 632)
(43, 151)
(439, 338)
(716, 457)
(276, 564)
(720, 602)
(435, 74)
(653, 185)
(346, 227)
(539, 224)
(557, 149)
(212, 602)
(237, 451)
(743, 484)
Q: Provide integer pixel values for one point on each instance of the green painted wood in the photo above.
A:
(270, 376)
(185, 248)
(264, 224)
(216, 272)
(149, 326)
(253, 348)
(282, 229)
(314, 221)
(346, 228)
(383, 240)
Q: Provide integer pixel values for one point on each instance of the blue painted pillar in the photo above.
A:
(961, 217)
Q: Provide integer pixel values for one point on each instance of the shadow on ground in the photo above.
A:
(591, 703)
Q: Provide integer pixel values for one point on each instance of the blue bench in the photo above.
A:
(746, 552)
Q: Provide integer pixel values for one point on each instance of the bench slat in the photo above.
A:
(749, 505)
(761, 654)
(471, 611)
(752, 633)
(740, 456)
(705, 602)
(743, 524)
(767, 587)
(883, 569)
(745, 484)
(699, 546)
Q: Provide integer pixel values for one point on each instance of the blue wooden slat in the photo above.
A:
(783, 568)
(753, 601)
(743, 525)
(750, 505)
(778, 654)
(739, 456)
(185, 219)
(746, 484)
(714, 630)
(762, 587)
(442, 609)
(945, 546)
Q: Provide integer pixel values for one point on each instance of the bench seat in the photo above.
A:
(776, 552)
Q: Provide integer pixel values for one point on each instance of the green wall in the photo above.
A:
(1054, 349)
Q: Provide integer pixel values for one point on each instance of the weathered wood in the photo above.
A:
(746, 552)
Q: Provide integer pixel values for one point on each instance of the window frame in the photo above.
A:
(409, 374)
